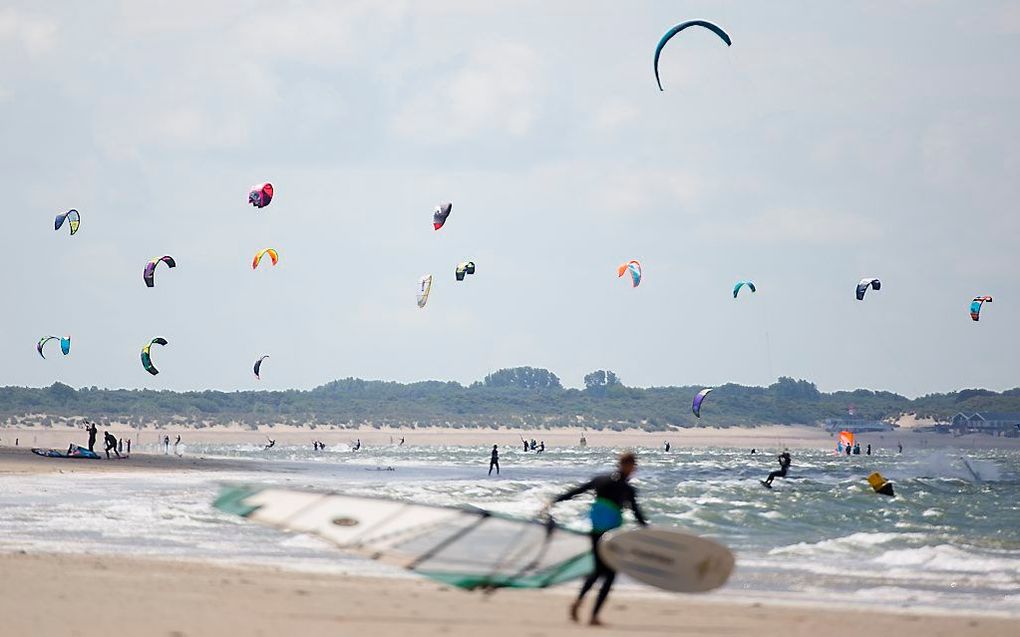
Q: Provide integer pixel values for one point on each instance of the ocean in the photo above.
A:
(949, 540)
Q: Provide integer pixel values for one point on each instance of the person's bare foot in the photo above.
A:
(595, 621)
(573, 611)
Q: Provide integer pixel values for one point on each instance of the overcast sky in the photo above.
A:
(832, 141)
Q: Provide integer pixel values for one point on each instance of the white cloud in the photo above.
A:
(35, 34)
(495, 91)
(797, 226)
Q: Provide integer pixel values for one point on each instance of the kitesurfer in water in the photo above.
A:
(270, 445)
(784, 465)
(494, 460)
(111, 444)
(613, 492)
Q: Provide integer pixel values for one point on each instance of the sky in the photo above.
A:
(831, 142)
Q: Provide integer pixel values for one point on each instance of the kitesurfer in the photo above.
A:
(111, 444)
(541, 446)
(401, 442)
(92, 431)
(176, 443)
(494, 460)
(899, 447)
(666, 446)
(613, 492)
(525, 445)
(754, 451)
(270, 444)
(784, 465)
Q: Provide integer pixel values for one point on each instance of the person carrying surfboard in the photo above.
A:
(613, 492)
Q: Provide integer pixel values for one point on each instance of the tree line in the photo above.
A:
(523, 397)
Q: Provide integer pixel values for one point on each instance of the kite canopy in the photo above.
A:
(635, 272)
(150, 269)
(65, 344)
(700, 398)
(258, 366)
(440, 214)
(740, 284)
(466, 547)
(147, 359)
(73, 220)
(467, 267)
(975, 306)
(864, 284)
(846, 438)
(677, 29)
(260, 195)
(273, 256)
(424, 287)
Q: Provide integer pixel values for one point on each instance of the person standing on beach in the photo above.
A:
(166, 445)
(90, 427)
(494, 460)
(129, 445)
(111, 444)
(120, 445)
(613, 492)
(176, 443)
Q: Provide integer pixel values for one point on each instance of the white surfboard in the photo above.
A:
(667, 558)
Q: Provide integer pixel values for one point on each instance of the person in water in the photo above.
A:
(868, 451)
(494, 460)
(270, 445)
(613, 492)
(666, 446)
(541, 446)
(525, 445)
(754, 451)
(784, 465)
(111, 444)
(92, 431)
(899, 447)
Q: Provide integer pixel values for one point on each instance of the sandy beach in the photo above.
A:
(94, 596)
(765, 437)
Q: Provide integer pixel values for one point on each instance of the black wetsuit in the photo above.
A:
(784, 465)
(494, 461)
(613, 488)
(111, 444)
(92, 437)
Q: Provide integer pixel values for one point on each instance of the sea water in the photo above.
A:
(950, 539)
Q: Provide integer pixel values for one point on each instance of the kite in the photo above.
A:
(73, 220)
(635, 271)
(273, 256)
(975, 306)
(467, 267)
(424, 287)
(700, 398)
(740, 284)
(65, 344)
(261, 195)
(864, 284)
(147, 359)
(150, 269)
(258, 366)
(440, 214)
(677, 29)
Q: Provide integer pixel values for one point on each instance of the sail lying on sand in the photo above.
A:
(465, 547)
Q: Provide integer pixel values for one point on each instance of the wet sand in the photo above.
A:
(91, 597)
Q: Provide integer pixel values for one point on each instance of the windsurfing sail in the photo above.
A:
(465, 547)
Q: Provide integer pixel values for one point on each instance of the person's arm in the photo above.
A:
(638, 514)
(576, 491)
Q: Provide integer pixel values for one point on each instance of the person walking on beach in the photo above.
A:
(784, 465)
(111, 444)
(613, 492)
(92, 430)
(494, 460)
